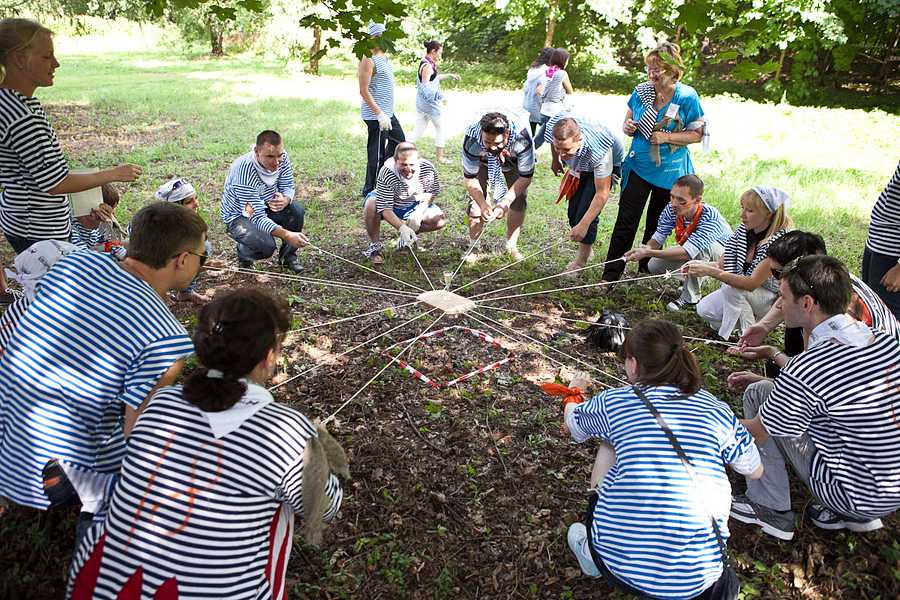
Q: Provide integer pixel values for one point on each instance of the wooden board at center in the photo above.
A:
(450, 303)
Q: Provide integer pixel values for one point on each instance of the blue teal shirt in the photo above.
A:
(675, 161)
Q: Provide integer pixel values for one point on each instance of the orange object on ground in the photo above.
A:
(569, 395)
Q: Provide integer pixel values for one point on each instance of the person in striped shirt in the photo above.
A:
(430, 99)
(830, 412)
(593, 156)
(258, 204)
(404, 197)
(649, 529)
(98, 229)
(700, 234)
(748, 289)
(497, 156)
(81, 364)
(34, 176)
(223, 527)
(376, 88)
(881, 256)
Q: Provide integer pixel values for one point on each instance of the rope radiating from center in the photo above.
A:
(356, 264)
(315, 281)
(468, 251)
(512, 264)
(352, 318)
(570, 272)
(421, 268)
(574, 287)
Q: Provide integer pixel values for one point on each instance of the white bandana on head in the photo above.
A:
(36, 262)
(772, 197)
(268, 177)
(175, 190)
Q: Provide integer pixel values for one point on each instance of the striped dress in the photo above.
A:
(381, 86)
(600, 150)
(884, 228)
(651, 524)
(201, 512)
(31, 163)
(844, 397)
(77, 357)
(244, 186)
(712, 228)
(736, 253)
(393, 192)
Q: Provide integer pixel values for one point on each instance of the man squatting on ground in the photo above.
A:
(594, 157)
(497, 154)
(258, 204)
(406, 187)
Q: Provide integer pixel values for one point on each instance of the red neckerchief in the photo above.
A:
(568, 186)
(859, 310)
(569, 395)
(682, 233)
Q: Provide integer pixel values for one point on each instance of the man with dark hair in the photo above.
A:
(700, 234)
(830, 412)
(594, 158)
(90, 350)
(497, 155)
(258, 204)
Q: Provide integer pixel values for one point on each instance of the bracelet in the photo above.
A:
(774, 356)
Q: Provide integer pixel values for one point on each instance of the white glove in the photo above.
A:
(407, 236)
(384, 122)
(415, 219)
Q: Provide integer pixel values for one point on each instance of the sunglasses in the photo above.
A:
(175, 186)
(203, 257)
(792, 267)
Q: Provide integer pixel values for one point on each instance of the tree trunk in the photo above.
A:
(551, 23)
(886, 66)
(216, 35)
(314, 50)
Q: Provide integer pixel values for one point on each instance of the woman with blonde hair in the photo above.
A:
(748, 289)
(34, 175)
(664, 116)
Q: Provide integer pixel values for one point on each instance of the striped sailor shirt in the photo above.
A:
(712, 228)
(89, 239)
(78, 356)
(395, 192)
(844, 397)
(10, 320)
(875, 313)
(381, 86)
(207, 512)
(651, 524)
(735, 255)
(884, 228)
(600, 150)
(31, 164)
(518, 156)
(244, 186)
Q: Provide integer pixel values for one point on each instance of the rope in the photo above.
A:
(308, 327)
(332, 416)
(313, 280)
(465, 256)
(356, 264)
(532, 314)
(515, 285)
(421, 268)
(524, 258)
(504, 333)
(346, 352)
(549, 347)
(576, 287)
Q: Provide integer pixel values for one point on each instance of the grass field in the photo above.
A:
(417, 523)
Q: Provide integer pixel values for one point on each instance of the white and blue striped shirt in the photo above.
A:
(712, 228)
(600, 149)
(381, 86)
(651, 525)
(518, 155)
(78, 356)
(395, 192)
(31, 163)
(89, 239)
(245, 186)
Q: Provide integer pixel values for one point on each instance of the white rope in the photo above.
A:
(503, 268)
(356, 347)
(515, 285)
(549, 347)
(421, 268)
(316, 281)
(356, 264)
(575, 287)
(383, 369)
(505, 333)
(533, 314)
(472, 245)
(366, 314)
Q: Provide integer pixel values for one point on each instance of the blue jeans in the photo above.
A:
(256, 244)
(874, 266)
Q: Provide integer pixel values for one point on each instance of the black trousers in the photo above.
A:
(631, 207)
(255, 244)
(379, 146)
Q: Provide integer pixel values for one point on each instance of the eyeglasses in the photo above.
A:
(174, 187)
(203, 257)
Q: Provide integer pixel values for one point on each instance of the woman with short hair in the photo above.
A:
(430, 99)
(34, 175)
(214, 473)
(649, 528)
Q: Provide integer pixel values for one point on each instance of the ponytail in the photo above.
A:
(662, 357)
(213, 394)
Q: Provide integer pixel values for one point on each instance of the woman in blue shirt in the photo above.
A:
(664, 116)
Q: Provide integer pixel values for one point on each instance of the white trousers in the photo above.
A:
(422, 123)
(728, 307)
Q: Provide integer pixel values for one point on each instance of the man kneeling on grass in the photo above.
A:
(404, 191)
(830, 412)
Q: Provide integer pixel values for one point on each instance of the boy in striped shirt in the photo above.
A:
(90, 349)
(95, 228)
(830, 412)
(700, 234)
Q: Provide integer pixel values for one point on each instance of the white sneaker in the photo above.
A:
(578, 544)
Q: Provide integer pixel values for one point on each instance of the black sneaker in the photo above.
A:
(245, 264)
(779, 524)
(825, 518)
(293, 266)
(677, 305)
(57, 486)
